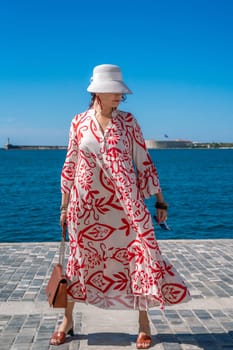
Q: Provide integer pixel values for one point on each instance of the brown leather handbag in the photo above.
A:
(56, 289)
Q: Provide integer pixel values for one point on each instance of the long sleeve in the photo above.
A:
(69, 167)
(148, 180)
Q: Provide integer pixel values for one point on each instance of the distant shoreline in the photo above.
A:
(9, 147)
(62, 148)
(185, 144)
(150, 144)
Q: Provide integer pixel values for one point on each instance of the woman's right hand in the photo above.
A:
(63, 218)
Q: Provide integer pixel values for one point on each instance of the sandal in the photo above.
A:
(59, 338)
(143, 341)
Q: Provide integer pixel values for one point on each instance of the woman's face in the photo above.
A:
(109, 100)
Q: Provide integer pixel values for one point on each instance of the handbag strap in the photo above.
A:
(62, 247)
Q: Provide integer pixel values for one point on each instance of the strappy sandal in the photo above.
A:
(143, 341)
(59, 338)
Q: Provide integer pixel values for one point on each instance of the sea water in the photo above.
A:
(197, 184)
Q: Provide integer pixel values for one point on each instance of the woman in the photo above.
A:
(114, 260)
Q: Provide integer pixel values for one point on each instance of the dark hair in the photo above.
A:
(93, 95)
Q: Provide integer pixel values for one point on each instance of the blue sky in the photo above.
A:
(176, 56)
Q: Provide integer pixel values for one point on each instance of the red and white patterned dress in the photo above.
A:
(114, 260)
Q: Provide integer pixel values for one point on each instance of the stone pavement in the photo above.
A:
(206, 322)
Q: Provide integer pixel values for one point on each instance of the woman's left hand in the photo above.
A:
(161, 215)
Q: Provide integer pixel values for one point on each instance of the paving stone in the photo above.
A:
(228, 325)
(191, 347)
(172, 346)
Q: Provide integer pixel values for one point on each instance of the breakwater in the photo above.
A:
(28, 147)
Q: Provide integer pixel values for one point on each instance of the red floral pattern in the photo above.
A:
(115, 260)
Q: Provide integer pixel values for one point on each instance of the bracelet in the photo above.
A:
(161, 205)
(63, 207)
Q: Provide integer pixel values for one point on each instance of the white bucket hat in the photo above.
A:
(108, 78)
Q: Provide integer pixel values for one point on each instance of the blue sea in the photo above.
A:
(197, 184)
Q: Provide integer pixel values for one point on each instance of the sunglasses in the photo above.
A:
(163, 224)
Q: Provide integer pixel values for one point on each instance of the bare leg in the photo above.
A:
(144, 324)
(144, 339)
(67, 322)
(65, 328)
